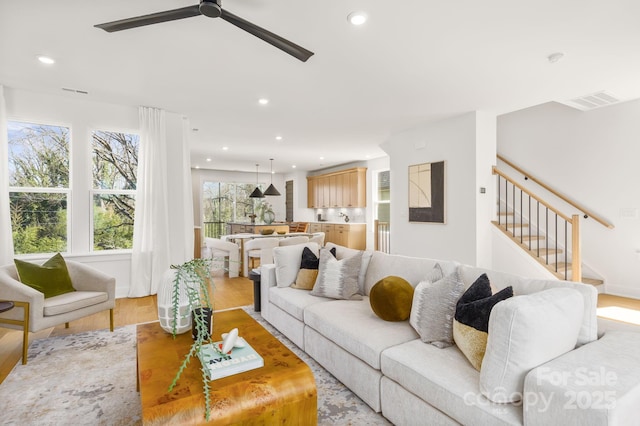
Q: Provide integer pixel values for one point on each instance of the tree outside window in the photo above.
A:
(115, 168)
(38, 186)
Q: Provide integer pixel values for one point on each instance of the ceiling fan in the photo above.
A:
(212, 9)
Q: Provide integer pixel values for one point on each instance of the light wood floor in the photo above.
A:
(228, 293)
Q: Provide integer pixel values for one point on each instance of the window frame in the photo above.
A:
(49, 190)
(97, 191)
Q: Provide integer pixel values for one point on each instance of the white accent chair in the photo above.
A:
(219, 250)
(259, 248)
(290, 241)
(318, 238)
(95, 292)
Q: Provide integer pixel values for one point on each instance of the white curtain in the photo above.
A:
(6, 236)
(187, 192)
(150, 257)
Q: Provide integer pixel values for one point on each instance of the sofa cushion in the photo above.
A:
(434, 305)
(338, 279)
(525, 332)
(471, 319)
(293, 301)
(391, 299)
(51, 278)
(287, 261)
(412, 269)
(354, 327)
(72, 301)
(445, 379)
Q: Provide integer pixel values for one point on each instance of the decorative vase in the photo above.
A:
(165, 307)
(268, 217)
(207, 316)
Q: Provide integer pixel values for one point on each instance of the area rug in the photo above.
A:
(89, 379)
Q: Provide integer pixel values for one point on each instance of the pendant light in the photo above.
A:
(271, 190)
(256, 192)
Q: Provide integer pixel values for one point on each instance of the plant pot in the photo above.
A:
(165, 306)
(207, 316)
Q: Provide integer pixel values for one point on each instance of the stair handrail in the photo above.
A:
(497, 171)
(587, 213)
(574, 220)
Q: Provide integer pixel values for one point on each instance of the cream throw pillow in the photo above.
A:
(338, 279)
(434, 305)
(525, 332)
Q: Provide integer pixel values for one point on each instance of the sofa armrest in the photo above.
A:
(13, 290)
(267, 280)
(596, 384)
(87, 278)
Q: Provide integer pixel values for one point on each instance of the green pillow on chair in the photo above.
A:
(52, 278)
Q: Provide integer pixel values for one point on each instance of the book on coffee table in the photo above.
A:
(218, 365)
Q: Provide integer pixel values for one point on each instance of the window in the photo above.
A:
(39, 186)
(383, 197)
(225, 202)
(115, 169)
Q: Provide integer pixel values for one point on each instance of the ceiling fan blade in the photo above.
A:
(291, 48)
(154, 18)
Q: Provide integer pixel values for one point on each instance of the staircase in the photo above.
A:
(542, 231)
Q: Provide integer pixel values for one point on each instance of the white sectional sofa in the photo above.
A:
(411, 382)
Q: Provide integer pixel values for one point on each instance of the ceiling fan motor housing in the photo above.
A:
(210, 8)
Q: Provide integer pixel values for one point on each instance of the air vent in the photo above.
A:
(593, 101)
(82, 92)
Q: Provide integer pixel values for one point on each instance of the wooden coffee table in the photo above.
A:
(283, 391)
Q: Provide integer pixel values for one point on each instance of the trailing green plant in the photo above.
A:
(196, 277)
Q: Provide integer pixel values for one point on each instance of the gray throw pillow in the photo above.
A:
(338, 279)
(433, 309)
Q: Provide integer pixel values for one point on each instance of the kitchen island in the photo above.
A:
(255, 228)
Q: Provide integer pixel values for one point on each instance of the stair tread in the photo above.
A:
(512, 225)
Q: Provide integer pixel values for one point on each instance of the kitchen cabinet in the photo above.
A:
(315, 227)
(348, 235)
(346, 188)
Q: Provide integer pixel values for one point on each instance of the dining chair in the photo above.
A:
(219, 250)
(290, 241)
(258, 248)
(318, 237)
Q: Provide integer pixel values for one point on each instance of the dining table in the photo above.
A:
(242, 237)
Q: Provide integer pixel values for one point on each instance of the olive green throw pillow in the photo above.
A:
(391, 298)
(52, 278)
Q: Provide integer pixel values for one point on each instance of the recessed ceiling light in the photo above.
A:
(263, 101)
(278, 138)
(225, 148)
(197, 167)
(357, 18)
(293, 167)
(46, 60)
(209, 159)
(322, 158)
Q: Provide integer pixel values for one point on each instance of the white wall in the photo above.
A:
(465, 143)
(84, 116)
(594, 158)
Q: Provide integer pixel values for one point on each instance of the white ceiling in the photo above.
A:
(413, 61)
